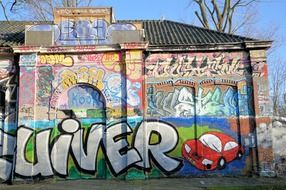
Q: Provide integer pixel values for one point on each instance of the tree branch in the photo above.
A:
(203, 16)
(200, 19)
(12, 6)
(4, 10)
(218, 15)
(245, 3)
(89, 2)
(211, 12)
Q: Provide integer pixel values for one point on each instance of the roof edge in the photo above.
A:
(66, 49)
(6, 50)
(246, 45)
(198, 47)
(263, 44)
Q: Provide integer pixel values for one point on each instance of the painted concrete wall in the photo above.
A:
(263, 110)
(119, 111)
(278, 136)
(208, 97)
(121, 115)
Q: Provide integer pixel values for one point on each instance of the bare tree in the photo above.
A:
(39, 9)
(242, 16)
(219, 15)
(278, 86)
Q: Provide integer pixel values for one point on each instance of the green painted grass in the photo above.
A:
(184, 133)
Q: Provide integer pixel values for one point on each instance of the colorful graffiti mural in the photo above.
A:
(115, 84)
(89, 148)
(169, 99)
(94, 115)
(191, 65)
(52, 151)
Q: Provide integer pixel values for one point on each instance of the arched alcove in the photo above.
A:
(81, 101)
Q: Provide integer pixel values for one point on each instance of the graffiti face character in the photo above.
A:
(212, 151)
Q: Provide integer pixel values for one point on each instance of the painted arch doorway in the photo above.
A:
(85, 105)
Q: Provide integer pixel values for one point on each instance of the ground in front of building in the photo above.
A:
(211, 183)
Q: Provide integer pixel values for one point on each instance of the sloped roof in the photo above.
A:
(157, 33)
(168, 32)
(12, 33)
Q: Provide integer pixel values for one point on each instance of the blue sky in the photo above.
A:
(270, 14)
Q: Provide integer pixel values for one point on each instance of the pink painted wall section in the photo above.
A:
(48, 82)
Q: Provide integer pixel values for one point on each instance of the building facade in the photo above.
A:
(86, 96)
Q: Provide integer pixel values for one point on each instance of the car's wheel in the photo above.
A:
(239, 155)
(221, 163)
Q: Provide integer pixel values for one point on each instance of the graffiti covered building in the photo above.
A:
(86, 96)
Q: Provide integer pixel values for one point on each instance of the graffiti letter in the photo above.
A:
(42, 163)
(87, 161)
(120, 156)
(168, 140)
(60, 150)
(5, 169)
(7, 143)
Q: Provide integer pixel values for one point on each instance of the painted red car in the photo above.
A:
(213, 150)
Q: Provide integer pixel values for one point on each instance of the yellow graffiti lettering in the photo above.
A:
(134, 55)
(56, 59)
(95, 77)
(82, 75)
(110, 57)
(69, 78)
(43, 59)
(134, 71)
(111, 61)
(87, 75)
(68, 61)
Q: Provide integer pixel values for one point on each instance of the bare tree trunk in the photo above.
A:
(220, 16)
(278, 86)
